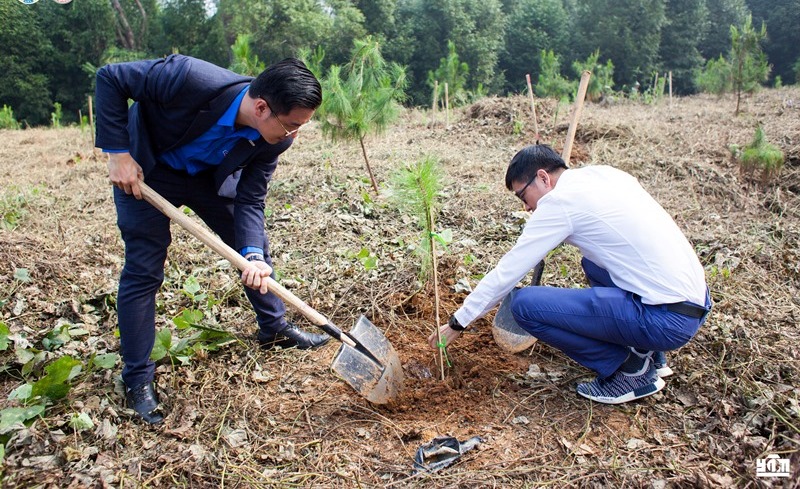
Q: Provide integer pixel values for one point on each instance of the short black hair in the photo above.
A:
(529, 160)
(286, 85)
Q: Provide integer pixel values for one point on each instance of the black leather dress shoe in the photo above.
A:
(144, 401)
(293, 337)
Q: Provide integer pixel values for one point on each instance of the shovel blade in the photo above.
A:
(506, 332)
(379, 382)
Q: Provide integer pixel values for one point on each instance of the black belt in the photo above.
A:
(690, 310)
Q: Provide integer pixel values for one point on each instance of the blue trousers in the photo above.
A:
(595, 326)
(146, 233)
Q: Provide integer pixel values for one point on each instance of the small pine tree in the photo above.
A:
(416, 189)
(602, 80)
(7, 120)
(749, 67)
(245, 62)
(760, 154)
(550, 82)
(453, 72)
(362, 97)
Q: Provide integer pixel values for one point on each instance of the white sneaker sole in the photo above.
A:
(664, 371)
(639, 393)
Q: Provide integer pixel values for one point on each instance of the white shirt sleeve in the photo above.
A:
(547, 227)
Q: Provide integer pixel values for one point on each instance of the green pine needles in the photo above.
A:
(761, 155)
(362, 97)
(416, 189)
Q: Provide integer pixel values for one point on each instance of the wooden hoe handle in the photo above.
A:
(214, 242)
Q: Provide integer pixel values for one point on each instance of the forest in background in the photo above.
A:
(50, 50)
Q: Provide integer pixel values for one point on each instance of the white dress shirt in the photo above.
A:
(616, 224)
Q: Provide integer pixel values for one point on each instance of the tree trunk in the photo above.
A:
(369, 169)
(124, 32)
(435, 272)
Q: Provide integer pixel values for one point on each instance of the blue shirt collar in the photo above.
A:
(229, 117)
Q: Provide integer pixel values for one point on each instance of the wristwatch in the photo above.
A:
(255, 257)
(455, 325)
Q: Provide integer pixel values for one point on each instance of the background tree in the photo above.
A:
(186, 28)
(748, 62)
(782, 45)
(628, 30)
(425, 25)
(24, 86)
(365, 100)
(533, 25)
(722, 15)
(685, 27)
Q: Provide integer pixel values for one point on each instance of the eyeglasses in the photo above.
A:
(288, 132)
(521, 191)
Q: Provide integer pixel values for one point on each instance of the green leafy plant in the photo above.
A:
(416, 189)
(760, 155)
(7, 120)
(362, 97)
(715, 77)
(13, 205)
(367, 259)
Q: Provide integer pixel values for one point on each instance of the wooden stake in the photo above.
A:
(576, 114)
(91, 119)
(446, 106)
(670, 88)
(533, 107)
(435, 95)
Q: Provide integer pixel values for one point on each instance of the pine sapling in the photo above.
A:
(760, 154)
(416, 190)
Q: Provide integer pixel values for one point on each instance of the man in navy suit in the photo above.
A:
(208, 138)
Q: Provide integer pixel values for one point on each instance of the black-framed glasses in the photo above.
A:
(521, 191)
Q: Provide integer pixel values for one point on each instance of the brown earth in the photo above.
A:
(243, 417)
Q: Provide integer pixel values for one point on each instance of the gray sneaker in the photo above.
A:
(621, 387)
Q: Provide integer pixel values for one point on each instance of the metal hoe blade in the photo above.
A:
(379, 382)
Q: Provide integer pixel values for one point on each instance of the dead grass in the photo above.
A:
(243, 417)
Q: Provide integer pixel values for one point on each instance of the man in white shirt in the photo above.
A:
(648, 292)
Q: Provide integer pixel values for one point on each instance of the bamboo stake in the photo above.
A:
(91, 119)
(435, 96)
(533, 107)
(435, 265)
(576, 114)
(670, 88)
(446, 106)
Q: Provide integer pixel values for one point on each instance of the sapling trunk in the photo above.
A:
(435, 272)
(415, 189)
(369, 169)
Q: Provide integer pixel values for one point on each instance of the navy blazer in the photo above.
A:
(176, 99)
